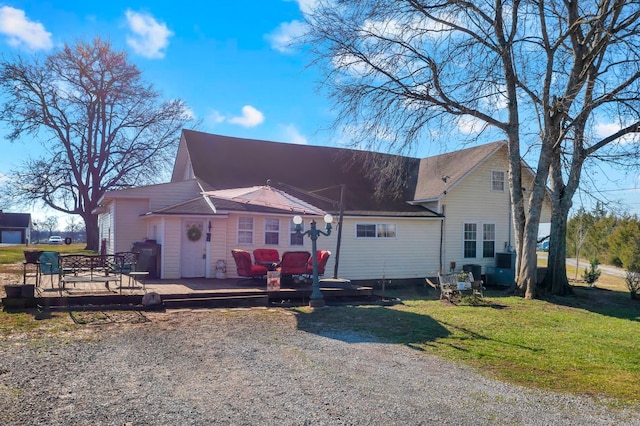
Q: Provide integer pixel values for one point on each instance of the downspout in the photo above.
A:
(442, 242)
(444, 178)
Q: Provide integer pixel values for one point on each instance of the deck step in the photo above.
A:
(241, 301)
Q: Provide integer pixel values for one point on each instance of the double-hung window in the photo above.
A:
(498, 181)
(488, 240)
(295, 238)
(480, 236)
(470, 239)
(271, 231)
(245, 230)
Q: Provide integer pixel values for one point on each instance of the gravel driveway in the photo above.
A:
(259, 366)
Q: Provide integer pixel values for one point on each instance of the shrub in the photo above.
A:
(633, 283)
(593, 273)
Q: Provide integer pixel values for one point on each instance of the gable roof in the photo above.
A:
(223, 162)
(15, 220)
(455, 166)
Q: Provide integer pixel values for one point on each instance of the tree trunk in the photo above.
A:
(529, 269)
(93, 236)
(556, 280)
(561, 201)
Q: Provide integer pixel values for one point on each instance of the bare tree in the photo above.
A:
(72, 225)
(51, 224)
(397, 69)
(100, 126)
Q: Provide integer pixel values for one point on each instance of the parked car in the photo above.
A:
(56, 239)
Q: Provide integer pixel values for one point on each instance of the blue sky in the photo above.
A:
(229, 62)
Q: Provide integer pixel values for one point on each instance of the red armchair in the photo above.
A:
(244, 266)
(323, 257)
(294, 262)
(266, 257)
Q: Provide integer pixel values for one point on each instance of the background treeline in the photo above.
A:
(602, 235)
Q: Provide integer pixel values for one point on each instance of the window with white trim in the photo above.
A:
(245, 230)
(497, 180)
(488, 240)
(376, 230)
(271, 231)
(470, 240)
(295, 238)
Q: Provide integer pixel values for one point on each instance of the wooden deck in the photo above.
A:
(194, 292)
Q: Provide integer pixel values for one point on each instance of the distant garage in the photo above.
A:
(11, 237)
(15, 228)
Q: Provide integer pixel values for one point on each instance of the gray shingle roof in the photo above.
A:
(14, 220)
(221, 162)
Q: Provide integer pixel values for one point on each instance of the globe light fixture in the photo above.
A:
(316, 300)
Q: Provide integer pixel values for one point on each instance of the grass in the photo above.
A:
(584, 344)
(11, 257)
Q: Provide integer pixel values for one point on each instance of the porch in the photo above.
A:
(186, 293)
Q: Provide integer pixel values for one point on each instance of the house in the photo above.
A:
(451, 208)
(15, 228)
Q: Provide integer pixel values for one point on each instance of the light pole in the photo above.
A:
(316, 300)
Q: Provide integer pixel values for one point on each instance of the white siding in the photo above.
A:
(170, 252)
(218, 246)
(129, 226)
(106, 227)
(413, 254)
(473, 201)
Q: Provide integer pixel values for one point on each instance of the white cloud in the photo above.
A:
(469, 125)
(283, 37)
(293, 135)
(605, 129)
(149, 37)
(602, 130)
(250, 117)
(306, 5)
(215, 117)
(20, 31)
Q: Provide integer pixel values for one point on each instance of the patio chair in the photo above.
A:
(294, 263)
(245, 268)
(266, 257)
(448, 287)
(50, 265)
(323, 258)
(128, 261)
(477, 286)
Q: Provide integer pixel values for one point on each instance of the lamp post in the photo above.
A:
(316, 300)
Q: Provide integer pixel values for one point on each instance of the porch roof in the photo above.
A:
(199, 207)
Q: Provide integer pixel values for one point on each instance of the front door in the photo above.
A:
(193, 248)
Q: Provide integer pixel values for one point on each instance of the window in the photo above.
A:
(271, 231)
(375, 230)
(497, 180)
(470, 239)
(488, 240)
(245, 230)
(296, 239)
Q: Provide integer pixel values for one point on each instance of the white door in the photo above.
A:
(193, 255)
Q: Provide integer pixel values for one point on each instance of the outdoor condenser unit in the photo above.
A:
(504, 273)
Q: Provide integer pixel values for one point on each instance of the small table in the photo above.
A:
(139, 276)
